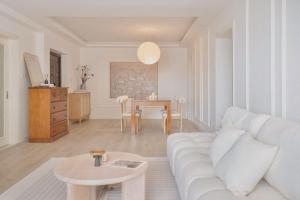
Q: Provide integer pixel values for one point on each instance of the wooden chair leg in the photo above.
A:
(165, 125)
(162, 122)
(137, 125)
(140, 122)
(125, 124)
(122, 125)
(180, 124)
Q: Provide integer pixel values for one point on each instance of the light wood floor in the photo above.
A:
(19, 160)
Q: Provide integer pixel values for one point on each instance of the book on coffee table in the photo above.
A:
(126, 164)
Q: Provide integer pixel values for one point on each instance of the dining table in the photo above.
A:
(137, 104)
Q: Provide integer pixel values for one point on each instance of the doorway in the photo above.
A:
(3, 138)
(55, 69)
(224, 73)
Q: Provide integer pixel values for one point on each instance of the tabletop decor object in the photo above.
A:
(85, 75)
(97, 154)
(152, 97)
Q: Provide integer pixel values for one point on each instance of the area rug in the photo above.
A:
(41, 184)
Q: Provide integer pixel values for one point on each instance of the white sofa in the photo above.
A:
(196, 178)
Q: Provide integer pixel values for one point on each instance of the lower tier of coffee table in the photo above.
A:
(132, 189)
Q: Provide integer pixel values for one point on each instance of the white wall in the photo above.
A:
(266, 64)
(172, 77)
(21, 38)
(70, 58)
(291, 88)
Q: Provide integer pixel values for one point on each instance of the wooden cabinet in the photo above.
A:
(48, 116)
(79, 106)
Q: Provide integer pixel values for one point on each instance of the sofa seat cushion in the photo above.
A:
(185, 145)
(191, 154)
(187, 154)
(201, 186)
(264, 191)
(199, 138)
(221, 195)
(191, 172)
(201, 162)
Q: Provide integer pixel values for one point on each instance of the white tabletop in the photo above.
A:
(80, 170)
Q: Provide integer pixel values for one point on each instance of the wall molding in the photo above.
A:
(192, 32)
(31, 24)
(273, 58)
(247, 54)
(197, 78)
(283, 60)
(57, 27)
(209, 79)
(201, 78)
(233, 63)
(12, 14)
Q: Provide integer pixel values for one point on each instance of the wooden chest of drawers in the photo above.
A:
(48, 113)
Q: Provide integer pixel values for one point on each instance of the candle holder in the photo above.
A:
(97, 154)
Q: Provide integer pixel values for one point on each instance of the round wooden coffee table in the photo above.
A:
(83, 178)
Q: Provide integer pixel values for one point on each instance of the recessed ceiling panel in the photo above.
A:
(204, 9)
(127, 29)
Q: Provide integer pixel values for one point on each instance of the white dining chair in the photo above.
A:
(126, 115)
(177, 114)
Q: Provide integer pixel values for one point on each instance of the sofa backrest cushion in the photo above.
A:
(232, 117)
(252, 123)
(284, 174)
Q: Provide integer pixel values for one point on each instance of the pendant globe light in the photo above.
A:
(148, 53)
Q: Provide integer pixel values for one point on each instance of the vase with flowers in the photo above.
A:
(85, 75)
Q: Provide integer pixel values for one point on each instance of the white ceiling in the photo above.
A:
(122, 20)
(128, 29)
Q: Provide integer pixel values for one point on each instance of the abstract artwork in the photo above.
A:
(134, 79)
(34, 69)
